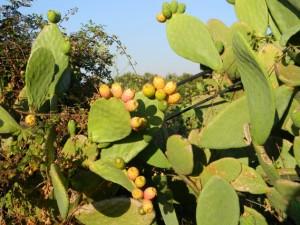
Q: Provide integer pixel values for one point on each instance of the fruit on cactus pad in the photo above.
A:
(119, 163)
(131, 105)
(116, 90)
(137, 193)
(140, 181)
(138, 123)
(160, 94)
(53, 16)
(161, 18)
(174, 98)
(158, 82)
(30, 120)
(150, 193)
(147, 206)
(104, 91)
(149, 90)
(133, 173)
(128, 94)
(170, 87)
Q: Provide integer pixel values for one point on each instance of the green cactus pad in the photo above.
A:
(274, 29)
(60, 186)
(288, 189)
(283, 16)
(156, 157)
(288, 74)
(259, 93)
(108, 121)
(72, 127)
(180, 154)
(109, 172)
(283, 95)
(189, 38)
(286, 160)
(38, 77)
(278, 202)
(7, 124)
(127, 148)
(252, 217)
(296, 149)
(249, 181)
(52, 38)
(115, 211)
(217, 204)
(254, 13)
(227, 168)
(219, 31)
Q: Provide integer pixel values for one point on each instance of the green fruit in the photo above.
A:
(166, 10)
(220, 47)
(181, 8)
(53, 16)
(160, 94)
(174, 6)
(162, 105)
(119, 163)
(72, 127)
(296, 118)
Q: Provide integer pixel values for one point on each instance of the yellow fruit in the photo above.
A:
(149, 90)
(127, 95)
(131, 105)
(170, 87)
(30, 120)
(161, 18)
(174, 98)
(160, 94)
(104, 91)
(147, 206)
(138, 123)
(137, 193)
(116, 90)
(158, 82)
(140, 181)
(133, 173)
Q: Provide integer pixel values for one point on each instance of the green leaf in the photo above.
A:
(180, 154)
(108, 121)
(127, 148)
(217, 204)
(254, 13)
(60, 190)
(7, 124)
(249, 181)
(109, 172)
(259, 94)
(115, 211)
(189, 38)
(38, 77)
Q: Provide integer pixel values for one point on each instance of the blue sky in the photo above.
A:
(133, 21)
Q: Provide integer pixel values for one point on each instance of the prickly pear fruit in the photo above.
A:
(116, 90)
(158, 82)
(147, 206)
(131, 105)
(137, 193)
(30, 120)
(181, 8)
(53, 16)
(119, 163)
(170, 87)
(167, 11)
(104, 91)
(162, 105)
(220, 47)
(138, 123)
(141, 211)
(67, 47)
(174, 6)
(161, 18)
(128, 94)
(231, 1)
(72, 127)
(133, 173)
(174, 98)
(160, 94)
(140, 181)
(296, 118)
(149, 90)
(150, 193)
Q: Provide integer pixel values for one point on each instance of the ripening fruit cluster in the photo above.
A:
(127, 96)
(170, 8)
(140, 192)
(163, 91)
